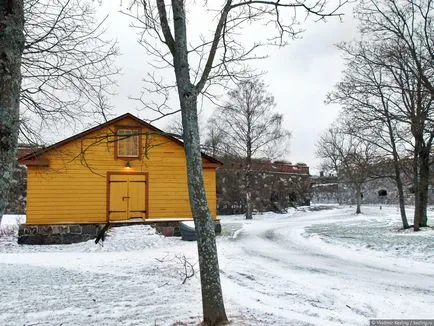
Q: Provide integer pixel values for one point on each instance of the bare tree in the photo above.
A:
(349, 157)
(175, 126)
(370, 103)
(389, 84)
(418, 103)
(67, 66)
(215, 140)
(410, 23)
(197, 66)
(62, 65)
(11, 49)
(251, 128)
(212, 141)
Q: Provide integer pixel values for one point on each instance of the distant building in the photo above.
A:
(326, 189)
(276, 185)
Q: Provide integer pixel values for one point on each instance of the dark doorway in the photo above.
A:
(382, 193)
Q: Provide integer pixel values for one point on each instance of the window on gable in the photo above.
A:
(128, 143)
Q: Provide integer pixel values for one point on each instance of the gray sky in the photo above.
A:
(299, 76)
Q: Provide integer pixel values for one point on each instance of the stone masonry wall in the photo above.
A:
(57, 234)
(380, 191)
(272, 191)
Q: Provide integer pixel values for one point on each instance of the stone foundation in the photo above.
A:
(36, 234)
(270, 191)
(57, 233)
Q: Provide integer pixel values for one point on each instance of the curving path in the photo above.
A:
(297, 279)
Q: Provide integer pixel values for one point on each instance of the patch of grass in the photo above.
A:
(385, 236)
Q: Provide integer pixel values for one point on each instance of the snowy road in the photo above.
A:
(301, 279)
(326, 267)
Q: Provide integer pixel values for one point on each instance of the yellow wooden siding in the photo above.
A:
(137, 200)
(118, 206)
(74, 187)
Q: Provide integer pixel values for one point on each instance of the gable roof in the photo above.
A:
(34, 154)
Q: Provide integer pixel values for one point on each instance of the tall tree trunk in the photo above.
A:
(249, 204)
(339, 193)
(11, 49)
(421, 174)
(423, 184)
(423, 206)
(397, 170)
(212, 297)
(358, 198)
(401, 199)
(400, 189)
(416, 186)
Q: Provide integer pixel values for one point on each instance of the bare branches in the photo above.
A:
(189, 268)
(247, 123)
(387, 89)
(409, 23)
(351, 158)
(317, 9)
(169, 41)
(220, 57)
(186, 269)
(155, 97)
(216, 40)
(386, 85)
(67, 66)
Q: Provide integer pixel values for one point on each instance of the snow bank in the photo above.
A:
(12, 220)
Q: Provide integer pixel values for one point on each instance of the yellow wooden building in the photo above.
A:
(120, 171)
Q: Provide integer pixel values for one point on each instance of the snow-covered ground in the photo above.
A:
(321, 267)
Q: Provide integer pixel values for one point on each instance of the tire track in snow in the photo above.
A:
(314, 282)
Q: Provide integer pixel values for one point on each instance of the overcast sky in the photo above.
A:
(299, 76)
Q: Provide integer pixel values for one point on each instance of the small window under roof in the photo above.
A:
(128, 143)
